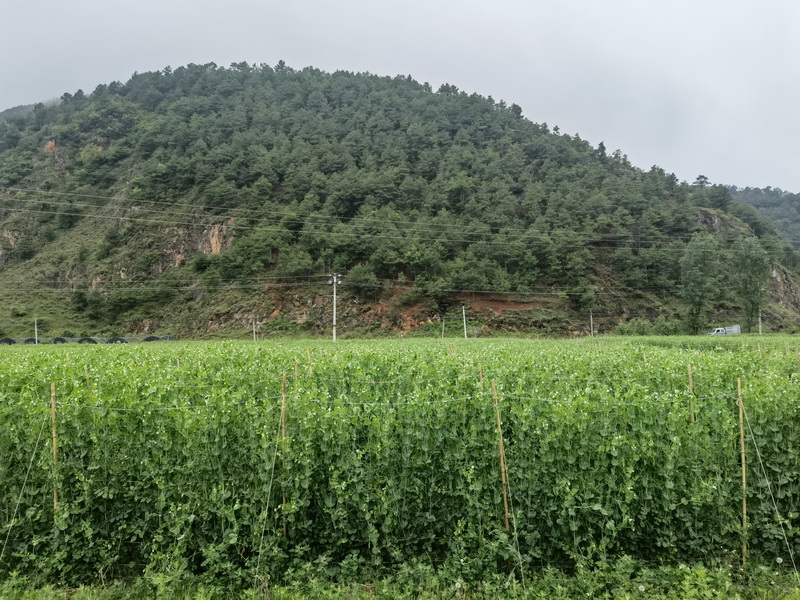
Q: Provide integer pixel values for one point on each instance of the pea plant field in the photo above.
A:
(246, 462)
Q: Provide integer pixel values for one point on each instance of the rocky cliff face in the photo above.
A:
(8, 240)
(216, 239)
(181, 243)
(783, 290)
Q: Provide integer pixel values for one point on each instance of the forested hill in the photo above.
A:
(15, 112)
(782, 207)
(196, 198)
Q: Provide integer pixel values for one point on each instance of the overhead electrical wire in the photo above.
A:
(631, 242)
(198, 285)
(331, 234)
(233, 212)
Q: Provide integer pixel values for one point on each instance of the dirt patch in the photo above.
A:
(498, 306)
(412, 317)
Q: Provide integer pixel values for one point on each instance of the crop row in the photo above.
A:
(245, 460)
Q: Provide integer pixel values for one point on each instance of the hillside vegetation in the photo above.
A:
(782, 207)
(199, 199)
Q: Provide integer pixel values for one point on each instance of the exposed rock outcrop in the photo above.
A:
(783, 289)
(216, 239)
(8, 241)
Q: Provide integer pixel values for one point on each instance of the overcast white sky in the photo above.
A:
(694, 86)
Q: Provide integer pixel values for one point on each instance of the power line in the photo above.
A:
(269, 281)
(200, 286)
(316, 215)
(632, 245)
(630, 241)
(335, 220)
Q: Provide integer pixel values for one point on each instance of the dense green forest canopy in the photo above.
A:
(381, 178)
(782, 207)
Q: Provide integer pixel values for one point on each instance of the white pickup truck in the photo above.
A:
(732, 330)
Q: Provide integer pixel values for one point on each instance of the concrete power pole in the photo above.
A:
(335, 280)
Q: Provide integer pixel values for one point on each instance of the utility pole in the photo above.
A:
(759, 321)
(591, 323)
(464, 316)
(36, 330)
(335, 280)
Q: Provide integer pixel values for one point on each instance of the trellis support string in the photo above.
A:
(502, 454)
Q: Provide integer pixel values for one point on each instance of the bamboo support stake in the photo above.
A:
(283, 446)
(453, 350)
(691, 395)
(502, 454)
(283, 412)
(744, 472)
(55, 444)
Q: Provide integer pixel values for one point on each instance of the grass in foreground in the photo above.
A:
(625, 578)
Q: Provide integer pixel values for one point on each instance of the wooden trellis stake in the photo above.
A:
(283, 446)
(88, 379)
(744, 472)
(691, 395)
(480, 372)
(502, 454)
(55, 444)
